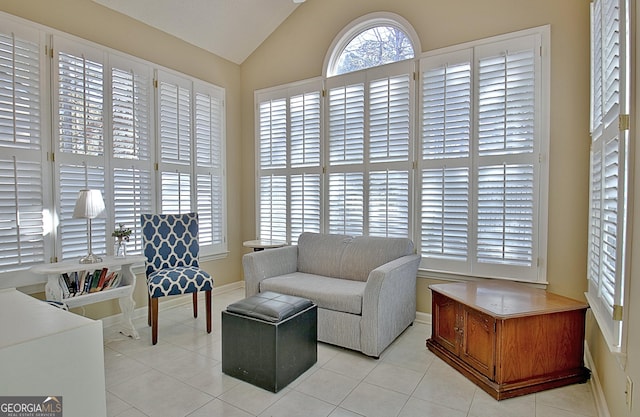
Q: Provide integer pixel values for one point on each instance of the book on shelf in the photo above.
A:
(94, 280)
(88, 281)
(104, 280)
(81, 280)
(97, 284)
(113, 280)
(63, 285)
(69, 284)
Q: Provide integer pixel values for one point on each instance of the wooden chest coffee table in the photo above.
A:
(510, 339)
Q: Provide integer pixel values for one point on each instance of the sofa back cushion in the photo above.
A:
(364, 254)
(341, 256)
(321, 254)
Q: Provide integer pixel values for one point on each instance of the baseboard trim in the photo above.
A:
(424, 318)
(170, 302)
(596, 386)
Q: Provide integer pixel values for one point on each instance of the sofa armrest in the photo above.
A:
(389, 303)
(266, 264)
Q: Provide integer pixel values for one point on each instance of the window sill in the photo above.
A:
(445, 276)
(602, 319)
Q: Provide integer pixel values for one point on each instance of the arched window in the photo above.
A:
(373, 40)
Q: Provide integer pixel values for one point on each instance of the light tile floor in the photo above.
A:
(181, 376)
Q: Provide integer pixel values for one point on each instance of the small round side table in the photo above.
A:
(261, 244)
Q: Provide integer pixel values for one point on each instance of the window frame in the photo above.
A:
(22, 276)
(15, 276)
(369, 164)
(188, 166)
(284, 171)
(542, 129)
(607, 126)
(537, 272)
(360, 25)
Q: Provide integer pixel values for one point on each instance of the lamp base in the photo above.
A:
(90, 259)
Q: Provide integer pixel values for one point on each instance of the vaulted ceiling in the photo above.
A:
(232, 29)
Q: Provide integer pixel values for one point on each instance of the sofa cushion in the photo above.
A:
(364, 254)
(321, 254)
(330, 293)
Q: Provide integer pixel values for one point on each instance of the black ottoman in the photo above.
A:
(269, 339)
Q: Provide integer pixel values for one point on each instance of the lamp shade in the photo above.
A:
(89, 205)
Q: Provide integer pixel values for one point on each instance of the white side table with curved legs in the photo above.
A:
(124, 292)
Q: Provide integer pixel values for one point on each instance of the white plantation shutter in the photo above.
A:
(389, 102)
(445, 216)
(80, 102)
(595, 218)
(273, 133)
(505, 215)
(132, 197)
(370, 126)
(305, 204)
(21, 210)
(305, 179)
(305, 129)
(273, 207)
(480, 179)
(272, 145)
(131, 104)
(389, 203)
(446, 110)
(21, 167)
(346, 203)
(97, 114)
(507, 159)
(80, 143)
(609, 171)
(192, 155)
(480, 163)
(73, 241)
(609, 226)
(506, 102)
(174, 121)
(346, 134)
(209, 167)
(176, 192)
(346, 123)
(598, 49)
(288, 134)
(191, 118)
(445, 147)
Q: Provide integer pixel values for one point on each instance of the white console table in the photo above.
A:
(124, 292)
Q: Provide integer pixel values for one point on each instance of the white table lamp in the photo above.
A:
(89, 205)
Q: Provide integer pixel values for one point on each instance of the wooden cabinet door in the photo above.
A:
(478, 344)
(446, 323)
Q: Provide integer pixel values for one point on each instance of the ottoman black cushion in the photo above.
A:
(270, 306)
(269, 339)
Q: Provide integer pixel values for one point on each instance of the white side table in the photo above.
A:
(261, 244)
(124, 292)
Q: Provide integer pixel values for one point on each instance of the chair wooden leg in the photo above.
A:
(207, 299)
(148, 309)
(154, 320)
(195, 305)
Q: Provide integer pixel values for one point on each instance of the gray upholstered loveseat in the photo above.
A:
(365, 287)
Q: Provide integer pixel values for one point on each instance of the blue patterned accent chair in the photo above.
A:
(171, 247)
